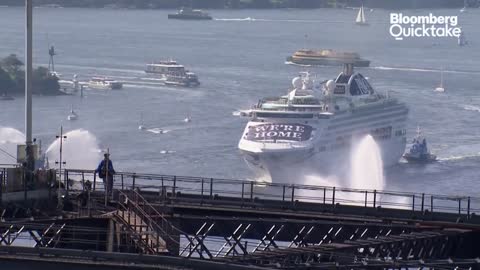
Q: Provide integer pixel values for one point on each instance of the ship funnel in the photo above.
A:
(348, 69)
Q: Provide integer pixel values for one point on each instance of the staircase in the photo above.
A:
(135, 214)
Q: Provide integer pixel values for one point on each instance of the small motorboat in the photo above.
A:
(440, 88)
(187, 120)
(72, 116)
(6, 97)
(103, 83)
(141, 126)
(187, 13)
(418, 152)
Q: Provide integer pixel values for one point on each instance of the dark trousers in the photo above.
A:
(108, 184)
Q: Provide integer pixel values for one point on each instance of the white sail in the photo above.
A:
(361, 16)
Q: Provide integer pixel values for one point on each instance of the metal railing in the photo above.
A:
(250, 192)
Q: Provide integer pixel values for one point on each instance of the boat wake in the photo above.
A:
(248, 19)
(471, 108)
(158, 130)
(414, 69)
(164, 152)
(455, 158)
(295, 64)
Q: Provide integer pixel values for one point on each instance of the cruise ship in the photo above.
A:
(173, 73)
(326, 57)
(313, 128)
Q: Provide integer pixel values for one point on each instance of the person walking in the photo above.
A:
(106, 172)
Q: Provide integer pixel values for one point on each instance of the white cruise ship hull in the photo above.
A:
(328, 151)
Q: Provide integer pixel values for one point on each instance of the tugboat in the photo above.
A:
(418, 152)
(190, 14)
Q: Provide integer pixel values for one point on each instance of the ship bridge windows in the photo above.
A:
(400, 132)
(342, 78)
(284, 115)
(360, 86)
(306, 101)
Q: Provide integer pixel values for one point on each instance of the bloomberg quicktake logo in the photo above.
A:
(403, 26)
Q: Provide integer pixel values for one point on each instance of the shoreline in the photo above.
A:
(247, 4)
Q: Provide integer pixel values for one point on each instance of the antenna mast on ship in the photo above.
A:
(51, 64)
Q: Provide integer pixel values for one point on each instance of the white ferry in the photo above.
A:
(104, 84)
(173, 73)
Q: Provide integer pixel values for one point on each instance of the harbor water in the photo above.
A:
(240, 57)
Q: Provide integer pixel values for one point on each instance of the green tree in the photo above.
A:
(44, 83)
(12, 65)
(7, 85)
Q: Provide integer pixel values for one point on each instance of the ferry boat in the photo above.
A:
(326, 57)
(314, 129)
(104, 83)
(190, 14)
(418, 152)
(173, 73)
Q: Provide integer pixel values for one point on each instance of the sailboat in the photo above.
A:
(141, 126)
(361, 17)
(72, 116)
(462, 40)
(440, 88)
(464, 9)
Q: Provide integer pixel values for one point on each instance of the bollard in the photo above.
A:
(283, 194)
(374, 198)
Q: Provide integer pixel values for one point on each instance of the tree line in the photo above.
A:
(250, 3)
(12, 79)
